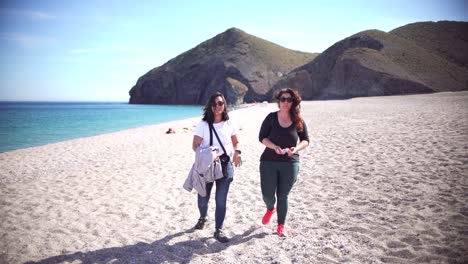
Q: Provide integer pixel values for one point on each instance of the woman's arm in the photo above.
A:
(235, 144)
(303, 140)
(302, 145)
(196, 142)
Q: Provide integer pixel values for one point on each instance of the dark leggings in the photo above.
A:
(277, 178)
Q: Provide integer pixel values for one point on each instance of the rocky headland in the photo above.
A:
(422, 57)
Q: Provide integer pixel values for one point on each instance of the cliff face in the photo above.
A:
(417, 58)
(241, 66)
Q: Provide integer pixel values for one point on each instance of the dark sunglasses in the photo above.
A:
(284, 99)
(219, 103)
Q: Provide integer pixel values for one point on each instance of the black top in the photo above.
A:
(282, 137)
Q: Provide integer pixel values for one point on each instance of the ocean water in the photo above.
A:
(27, 124)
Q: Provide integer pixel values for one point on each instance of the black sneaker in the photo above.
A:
(219, 235)
(201, 223)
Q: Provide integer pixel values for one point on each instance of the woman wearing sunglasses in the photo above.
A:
(284, 133)
(215, 113)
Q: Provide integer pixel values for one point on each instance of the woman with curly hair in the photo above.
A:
(284, 134)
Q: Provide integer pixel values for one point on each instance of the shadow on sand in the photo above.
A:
(157, 252)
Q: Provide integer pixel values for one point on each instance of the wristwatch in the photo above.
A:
(238, 151)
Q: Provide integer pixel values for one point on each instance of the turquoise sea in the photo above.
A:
(27, 124)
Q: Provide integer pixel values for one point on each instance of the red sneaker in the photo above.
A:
(280, 230)
(267, 217)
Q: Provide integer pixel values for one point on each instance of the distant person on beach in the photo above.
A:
(284, 133)
(215, 114)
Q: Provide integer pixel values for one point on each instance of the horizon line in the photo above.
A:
(58, 101)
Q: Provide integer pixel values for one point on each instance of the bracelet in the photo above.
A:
(238, 151)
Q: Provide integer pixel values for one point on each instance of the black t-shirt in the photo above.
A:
(282, 137)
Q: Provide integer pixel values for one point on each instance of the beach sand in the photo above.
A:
(384, 180)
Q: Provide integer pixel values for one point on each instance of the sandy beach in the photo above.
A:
(384, 180)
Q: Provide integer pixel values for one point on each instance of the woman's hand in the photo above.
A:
(278, 150)
(291, 151)
(237, 160)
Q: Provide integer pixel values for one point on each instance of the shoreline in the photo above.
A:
(38, 124)
(176, 122)
(240, 107)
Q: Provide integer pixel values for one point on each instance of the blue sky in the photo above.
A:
(96, 50)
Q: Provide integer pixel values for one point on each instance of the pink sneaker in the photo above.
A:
(267, 217)
(280, 230)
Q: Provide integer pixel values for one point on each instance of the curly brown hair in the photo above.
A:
(295, 110)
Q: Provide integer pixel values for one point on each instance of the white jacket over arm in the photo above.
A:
(205, 169)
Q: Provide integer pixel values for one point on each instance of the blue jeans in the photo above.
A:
(222, 188)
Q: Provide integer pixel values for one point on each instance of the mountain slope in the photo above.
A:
(240, 65)
(417, 58)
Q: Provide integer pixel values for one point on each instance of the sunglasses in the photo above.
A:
(288, 99)
(219, 103)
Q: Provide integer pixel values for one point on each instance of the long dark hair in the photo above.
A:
(295, 110)
(208, 115)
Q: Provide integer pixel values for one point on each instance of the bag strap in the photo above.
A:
(216, 134)
(211, 135)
